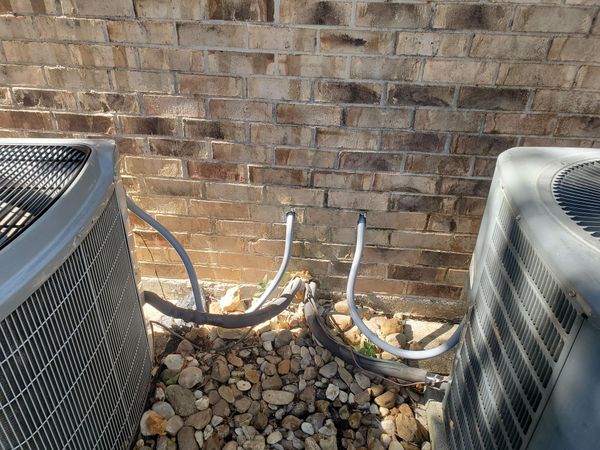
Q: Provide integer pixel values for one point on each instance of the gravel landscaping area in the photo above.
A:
(274, 387)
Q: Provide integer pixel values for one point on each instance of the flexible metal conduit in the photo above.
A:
(289, 234)
(227, 321)
(381, 367)
(250, 319)
(406, 354)
(189, 267)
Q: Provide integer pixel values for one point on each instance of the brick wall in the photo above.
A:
(230, 112)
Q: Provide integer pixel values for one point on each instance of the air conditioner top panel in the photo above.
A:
(72, 179)
(555, 193)
(32, 178)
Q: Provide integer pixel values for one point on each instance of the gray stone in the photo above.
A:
(190, 377)
(362, 380)
(278, 397)
(181, 399)
(174, 362)
(284, 337)
(186, 439)
(329, 370)
(274, 437)
(174, 424)
(164, 409)
(332, 392)
(200, 419)
(220, 371)
(273, 382)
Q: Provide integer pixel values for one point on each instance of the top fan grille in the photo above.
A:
(577, 191)
(32, 178)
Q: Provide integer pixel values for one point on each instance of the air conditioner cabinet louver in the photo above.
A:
(74, 354)
(527, 370)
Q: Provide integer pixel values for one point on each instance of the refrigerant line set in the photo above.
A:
(263, 309)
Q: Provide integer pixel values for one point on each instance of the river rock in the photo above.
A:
(181, 399)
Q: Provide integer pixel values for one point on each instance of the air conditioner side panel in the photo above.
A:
(571, 418)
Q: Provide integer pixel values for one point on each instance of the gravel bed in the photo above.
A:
(274, 387)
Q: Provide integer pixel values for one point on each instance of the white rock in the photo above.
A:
(232, 300)
(274, 437)
(202, 403)
(198, 393)
(307, 428)
(199, 435)
(159, 394)
(190, 377)
(332, 392)
(216, 421)
(243, 385)
(343, 396)
(174, 361)
(208, 431)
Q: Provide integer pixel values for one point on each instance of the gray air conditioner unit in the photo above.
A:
(74, 354)
(527, 369)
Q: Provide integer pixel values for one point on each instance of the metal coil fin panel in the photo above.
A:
(74, 357)
(32, 178)
(515, 338)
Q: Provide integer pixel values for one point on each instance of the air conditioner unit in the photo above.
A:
(74, 353)
(527, 369)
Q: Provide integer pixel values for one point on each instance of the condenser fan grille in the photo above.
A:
(32, 177)
(577, 191)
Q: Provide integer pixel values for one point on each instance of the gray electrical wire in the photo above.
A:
(402, 353)
(375, 366)
(189, 267)
(289, 233)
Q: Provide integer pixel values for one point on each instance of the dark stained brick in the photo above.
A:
(482, 145)
(465, 186)
(415, 203)
(148, 125)
(493, 98)
(415, 142)
(244, 10)
(406, 94)
(85, 123)
(338, 92)
(371, 161)
(217, 171)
